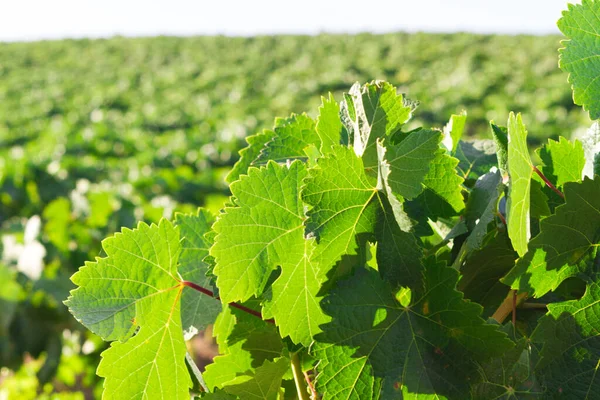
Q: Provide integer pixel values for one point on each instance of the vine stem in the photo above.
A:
(508, 306)
(234, 305)
(548, 183)
(313, 391)
(299, 378)
(501, 218)
(514, 308)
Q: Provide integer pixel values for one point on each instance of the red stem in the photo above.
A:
(313, 391)
(234, 305)
(499, 214)
(514, 310)
(548, 183)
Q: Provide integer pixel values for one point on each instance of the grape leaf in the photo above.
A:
(552, 198)
(509, 376)
(265, 230)
(453, 131)
(197, 309)
(563, 161)
(293, 300)
(292, 136)
(106, 299)
(564, 240)
(410, 160)
(245, 343)
(250, 153)
(591, 148)
(539, 201)
(373, 111)
(264, 383)
(218, 395)
(152, 363)
(398, 252)
(482, 270)
(482, 207)
(500, 134)
(420, 350)
(137, 284)
(580, 56)
(344, 204)
(570, 335)
(519, 171)
(329, 126)
(442, 197)
(475, 158)
(396, 202)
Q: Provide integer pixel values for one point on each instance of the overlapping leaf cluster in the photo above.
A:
(360, 259)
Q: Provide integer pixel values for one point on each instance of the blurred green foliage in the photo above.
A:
(98, 134)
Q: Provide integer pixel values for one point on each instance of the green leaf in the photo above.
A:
(482, 270)
(137, 284)
(591, 148)
(398, 253)
(245, 343)
(395, 202)
(510, 376)
(198, 383)
(218, 395)
(152, 363)
(539, 201)
(564, 241)
(293, 300)
(570, 335)
(197, 309)
(442, 197)
(519, 171)
(247, 155)
(291, 137)
(264, 383)
(482, 207)
(421, 350)
(476, 158)
(269, 237)
(329, 125)
(500, 134)
(140, 263)
(344, 204)
(579, 57)
(374, 111)
(265, 230)
(453, 131)
(410, 160)
(563, 161)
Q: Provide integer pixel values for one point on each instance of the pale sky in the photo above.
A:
(54, 19)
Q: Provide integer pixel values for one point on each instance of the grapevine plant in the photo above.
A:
(361, 259)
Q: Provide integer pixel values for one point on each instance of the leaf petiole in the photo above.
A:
(506, 308)
(548, 183)
(299, 378)
(232, 304)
